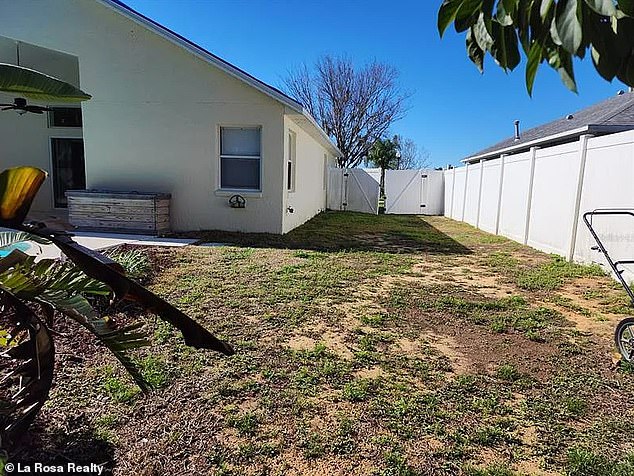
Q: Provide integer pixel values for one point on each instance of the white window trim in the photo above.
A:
(219, 188)
(225, 192)
(291, 150)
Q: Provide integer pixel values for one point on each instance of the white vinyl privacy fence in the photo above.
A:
(538, 197)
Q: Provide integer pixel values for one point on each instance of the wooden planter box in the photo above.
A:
(120, 212)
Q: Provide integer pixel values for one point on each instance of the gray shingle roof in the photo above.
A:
(615, 111)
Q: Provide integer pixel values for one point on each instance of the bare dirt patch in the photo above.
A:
(450, 348)
(310, 336)
(371, 373)
(585, 305)
(474, 349)
(462, 271)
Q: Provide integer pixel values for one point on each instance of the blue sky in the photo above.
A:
(454, 110)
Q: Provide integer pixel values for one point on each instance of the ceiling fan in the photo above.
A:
(20, 105)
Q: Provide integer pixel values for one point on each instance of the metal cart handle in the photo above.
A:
(587, 218)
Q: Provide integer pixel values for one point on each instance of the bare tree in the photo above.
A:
(354, 106)
(411, 156)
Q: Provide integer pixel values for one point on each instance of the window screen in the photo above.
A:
(240, 158)
(240, 141)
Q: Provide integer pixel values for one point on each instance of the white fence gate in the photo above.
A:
(408, 192)
(414, 192)
(353, 190)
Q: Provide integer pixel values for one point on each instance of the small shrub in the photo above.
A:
(246, 424)
(118, 390)
(135, 262)
(508, 372)
(575, 406)
(358, 390)
(582, 462)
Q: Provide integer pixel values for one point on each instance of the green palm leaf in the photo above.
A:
(106, 270)
(62, 287)
(8, 238)
(33, 84)
(118, 341)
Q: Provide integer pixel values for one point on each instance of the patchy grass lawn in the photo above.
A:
(366, 345)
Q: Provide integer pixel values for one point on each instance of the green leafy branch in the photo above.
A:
(547, 31)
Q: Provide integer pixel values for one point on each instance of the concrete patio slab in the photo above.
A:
(103, 241)
(97, 241)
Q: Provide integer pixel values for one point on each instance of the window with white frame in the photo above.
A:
(240, 158)
(291, 161)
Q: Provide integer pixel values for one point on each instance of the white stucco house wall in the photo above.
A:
(165, 116)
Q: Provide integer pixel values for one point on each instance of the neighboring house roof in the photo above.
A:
(296, 108)
(615, 114)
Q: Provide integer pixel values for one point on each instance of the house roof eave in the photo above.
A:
(573, 133)
(323, 137)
